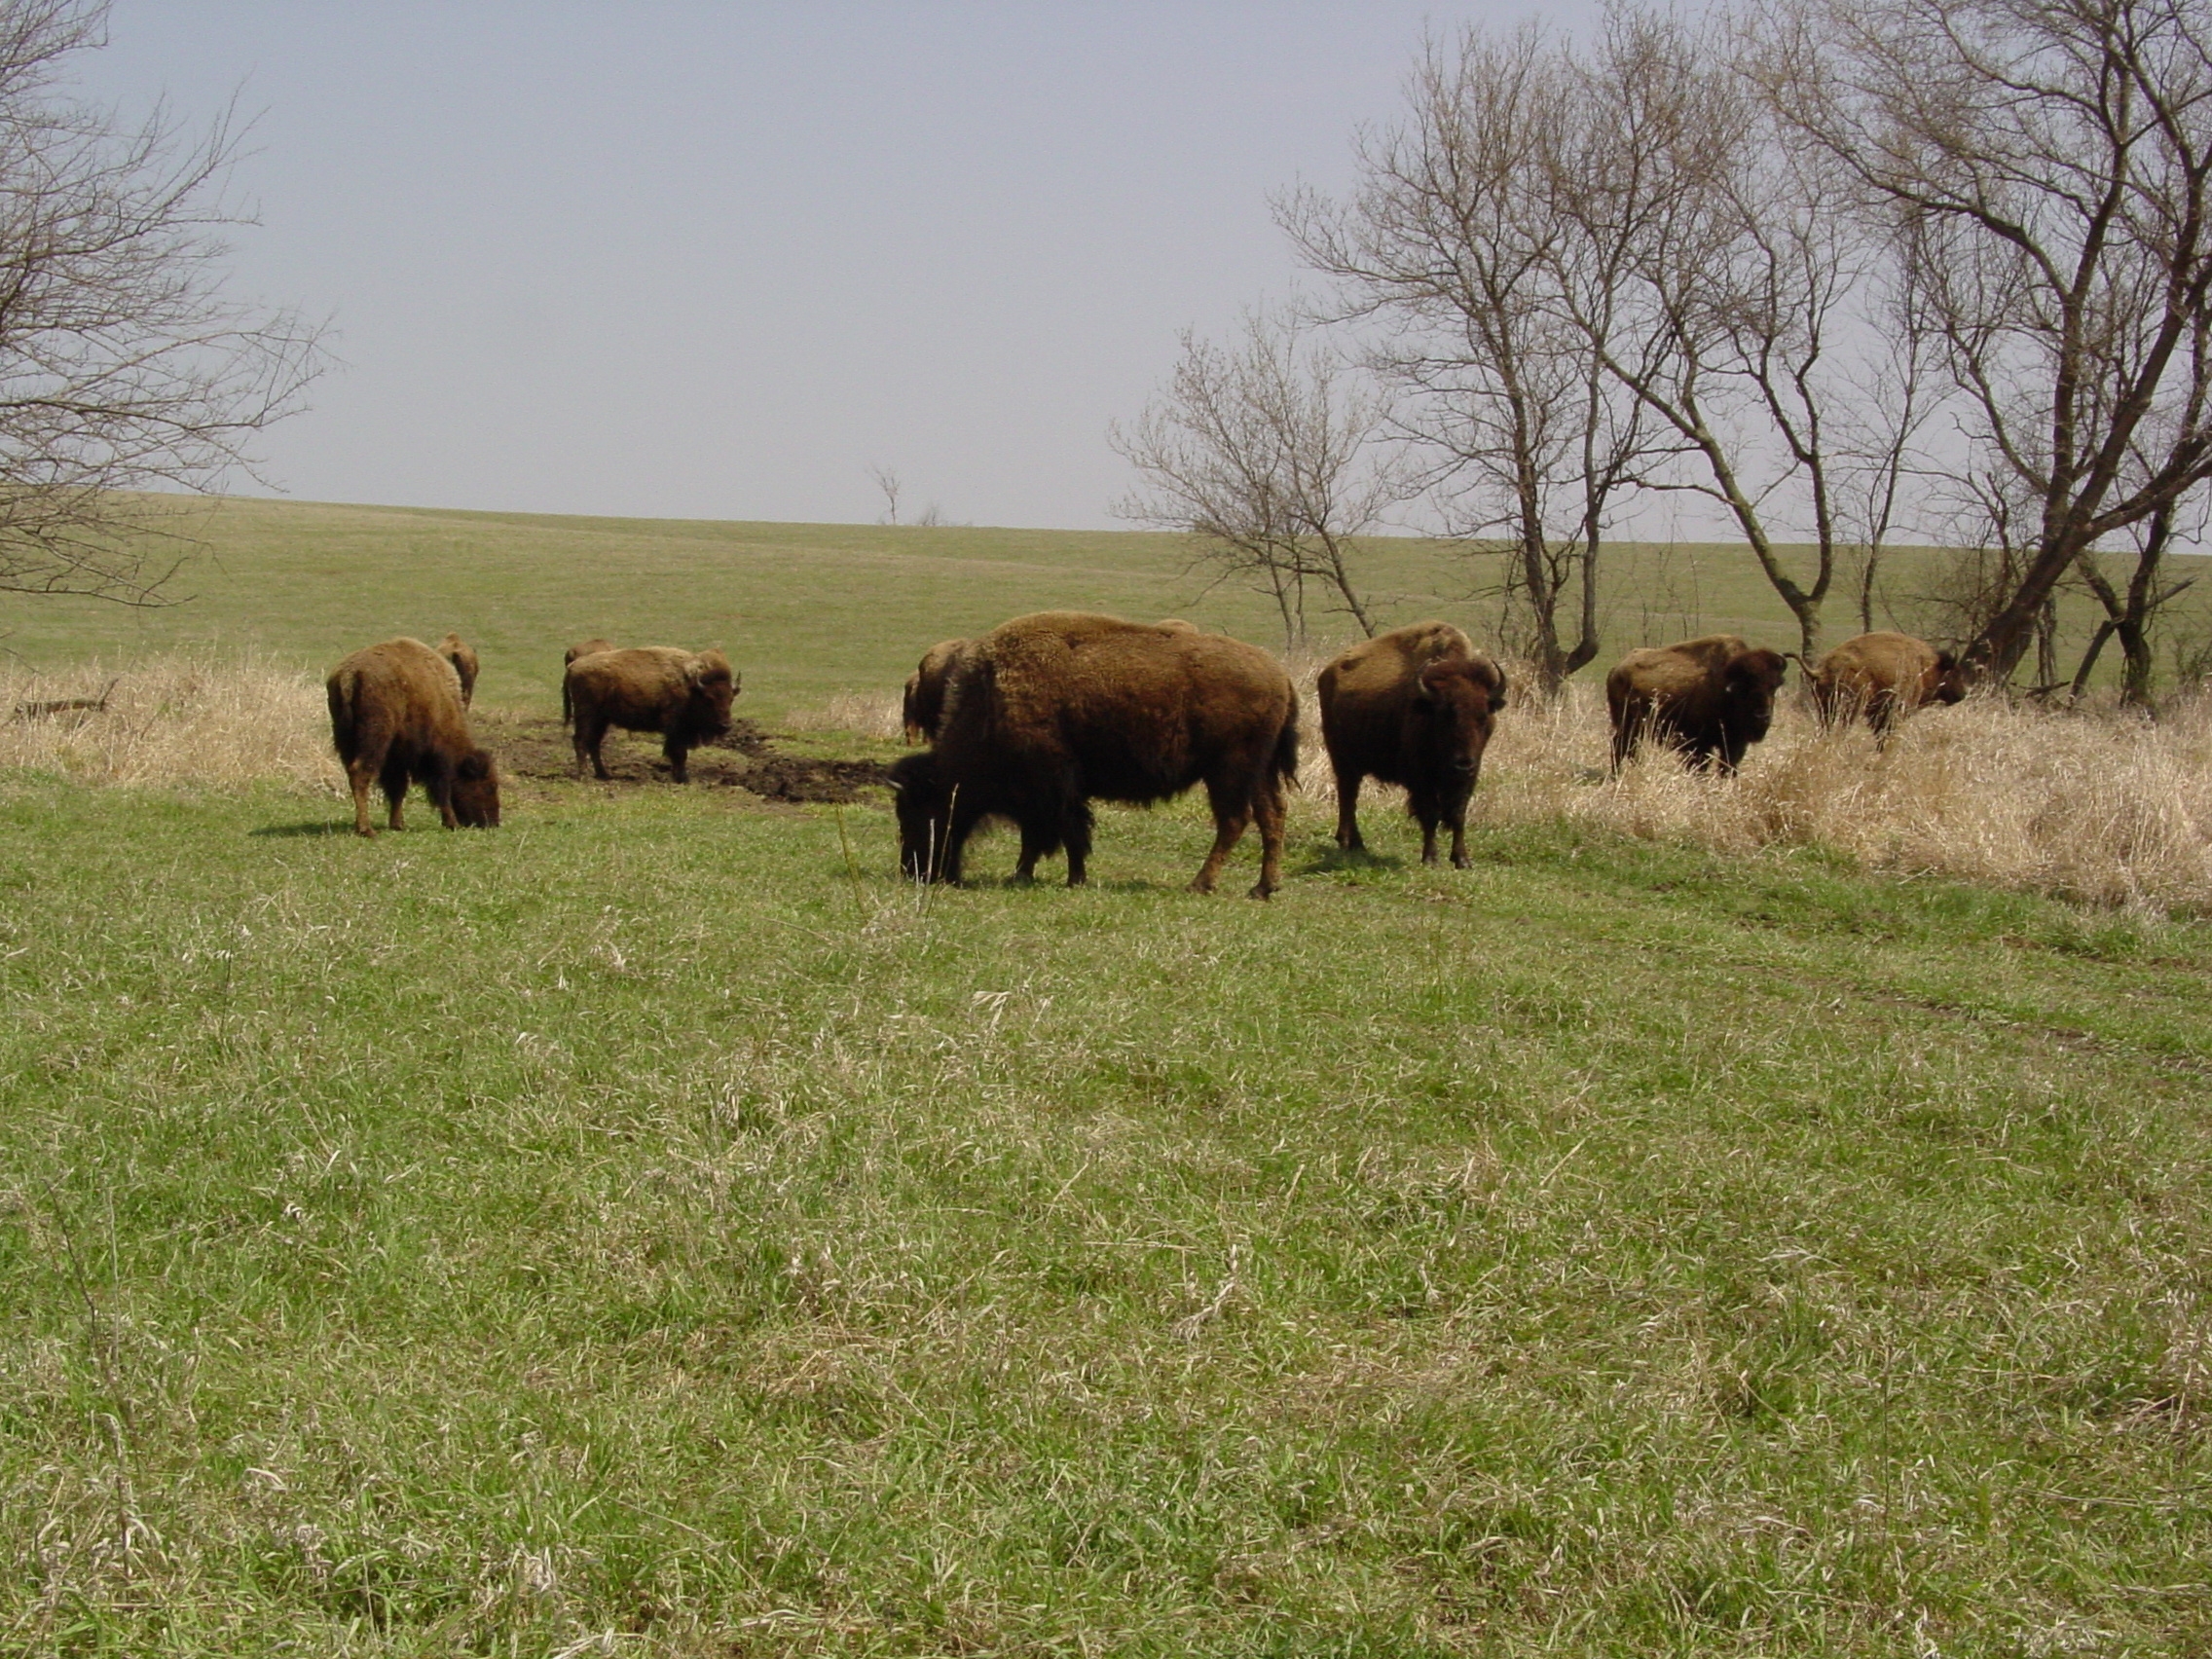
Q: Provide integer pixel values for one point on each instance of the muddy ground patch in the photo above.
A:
(537, 748)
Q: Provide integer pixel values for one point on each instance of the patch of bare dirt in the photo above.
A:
(747, 758)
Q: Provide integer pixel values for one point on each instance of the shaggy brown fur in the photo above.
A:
(462, 656)
(395, 715)
(1712, 698)
(582, 648)
(1047, 714)
(924, 705)
(1413, 707)
(683, 695)
(1884, 676)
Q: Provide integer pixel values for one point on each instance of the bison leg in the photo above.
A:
(1348, 812)
(1268, 807)
(1075, 831)
(360, 775)
(676, 749)
(590, 731)
(1230, 814)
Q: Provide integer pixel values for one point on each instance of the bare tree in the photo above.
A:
(124, 367)
(1453, 245)
(2045, 168)
(1749, 280)
(1269, 454)
(887, 481)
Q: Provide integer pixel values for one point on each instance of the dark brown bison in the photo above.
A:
(1884, 676)
(924, 704)
(1712, 698)
(458, 651)
(1413, 707)
(1049, 713)
(683, 695)
(582, 648)
(395, 715)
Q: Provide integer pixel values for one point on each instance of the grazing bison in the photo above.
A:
(1712, 698)
(924, 705)
(458, 651)
(578, 649)
(395, 715)
(1884, 676)
(683, 695)
(1413, 707)
(1047, 714)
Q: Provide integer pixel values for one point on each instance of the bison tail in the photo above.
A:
(341, 690)
(1283, 765)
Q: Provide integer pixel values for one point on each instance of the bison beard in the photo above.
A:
(395, 717)
(1049, 713)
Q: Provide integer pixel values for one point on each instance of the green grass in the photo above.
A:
(649, 1219)
(805, 611)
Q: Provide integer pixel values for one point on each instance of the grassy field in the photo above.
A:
(647, 1228)
(653, 1227)
(805, 611)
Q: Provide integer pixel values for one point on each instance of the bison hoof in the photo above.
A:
(1460, 861)
(1262, 891)
(1200, 885)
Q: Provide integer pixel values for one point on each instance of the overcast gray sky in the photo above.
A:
(714, 260)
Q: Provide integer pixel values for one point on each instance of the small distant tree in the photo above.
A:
(887, 481)
(1269, 453)
(124, 367)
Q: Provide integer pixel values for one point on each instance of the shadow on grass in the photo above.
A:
(293, 831)
(1331, 860)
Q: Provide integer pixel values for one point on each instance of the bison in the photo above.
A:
(1413, 707)
(1048, 713)
(924, 704)
(683, 695)
(582, 648)
(1712, 698)
(458, 651)
(396, 716)
(1884, 676)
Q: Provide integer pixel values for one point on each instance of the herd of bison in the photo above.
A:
(1044, 715)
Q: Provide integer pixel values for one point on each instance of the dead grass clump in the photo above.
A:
(868, 714)
(173, 719)
(2098, 805)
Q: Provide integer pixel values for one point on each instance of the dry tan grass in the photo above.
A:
(170, 721)
(2096, 805)
(868, 714)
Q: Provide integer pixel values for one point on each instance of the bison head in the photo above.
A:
(1456, 701)
(1948, 683)
(712, 687)
(924, 820)
(476, 791)
(1752, 679)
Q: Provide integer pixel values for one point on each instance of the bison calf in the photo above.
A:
(1047, 714)
(1884, 676)
(683, 695)
(397, 717)
(1712, 698)
(1413, 707)
(458, 651)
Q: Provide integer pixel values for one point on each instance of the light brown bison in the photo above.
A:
(683, 695)
(582, 648)
(395, 715)
(1884, 676)
(458, 651)
(1712, 698)
(1048, 713)
(1413, 707)
(924, 704)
